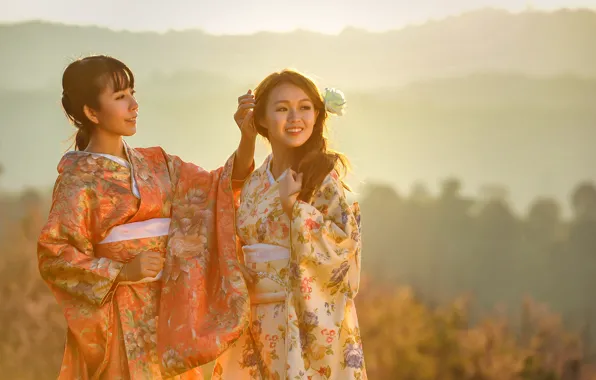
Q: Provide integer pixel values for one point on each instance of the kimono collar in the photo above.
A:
(139, 167)
(266, 168)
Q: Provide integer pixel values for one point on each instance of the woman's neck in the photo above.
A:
(106, 144)
(281, 161)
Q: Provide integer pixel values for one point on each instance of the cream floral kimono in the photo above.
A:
(303, 320)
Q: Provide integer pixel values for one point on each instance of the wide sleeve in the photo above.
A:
(65, 249)
(204, 301)
(181, 170)
(325, 238)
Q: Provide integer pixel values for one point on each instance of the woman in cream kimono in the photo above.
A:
(139, 247)
(301, 242)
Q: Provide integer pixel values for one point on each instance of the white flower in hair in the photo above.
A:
(335, 101)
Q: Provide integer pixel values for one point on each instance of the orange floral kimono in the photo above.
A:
(104, 212)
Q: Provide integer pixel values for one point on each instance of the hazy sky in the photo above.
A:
(248, 16)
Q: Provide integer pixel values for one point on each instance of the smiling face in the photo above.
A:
(289, 116)
(117, 110)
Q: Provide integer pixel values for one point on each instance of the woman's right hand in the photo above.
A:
(289, 188)
(145, 264)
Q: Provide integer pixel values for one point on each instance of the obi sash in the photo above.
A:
(125, 241)
(267, 261)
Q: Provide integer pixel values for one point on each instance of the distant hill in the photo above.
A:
(533, 135)
(536, 43)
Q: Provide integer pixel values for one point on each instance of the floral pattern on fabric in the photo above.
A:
(314, 333)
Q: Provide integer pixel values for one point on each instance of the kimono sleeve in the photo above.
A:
(181, 170)
(325, 238)
(204, 298)
(65, 251)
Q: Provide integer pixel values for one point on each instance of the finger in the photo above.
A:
(153, 266)
(153, 255)
(296, 189)
(245, 97)
(245, 101)
(247, 119)
(246, 106)
(248, 275)
(241, 113)
(152, 262)
(297, 178)
(149, 274)
(287, 179)
(248, 99)
(155, 261)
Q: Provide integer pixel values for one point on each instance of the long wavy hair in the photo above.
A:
(314, 159)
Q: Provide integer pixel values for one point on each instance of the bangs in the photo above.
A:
(295, 78)
(118, 77)
(305, 83)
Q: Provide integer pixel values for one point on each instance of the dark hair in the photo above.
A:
(312, 158)
(82, 83)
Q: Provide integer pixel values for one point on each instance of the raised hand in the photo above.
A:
(243, 114)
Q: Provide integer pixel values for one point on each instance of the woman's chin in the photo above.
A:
(130, 132)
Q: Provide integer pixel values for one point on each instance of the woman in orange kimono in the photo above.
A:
(139, 247)
(301, 240)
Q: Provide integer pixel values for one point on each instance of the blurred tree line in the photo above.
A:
(453, 287)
